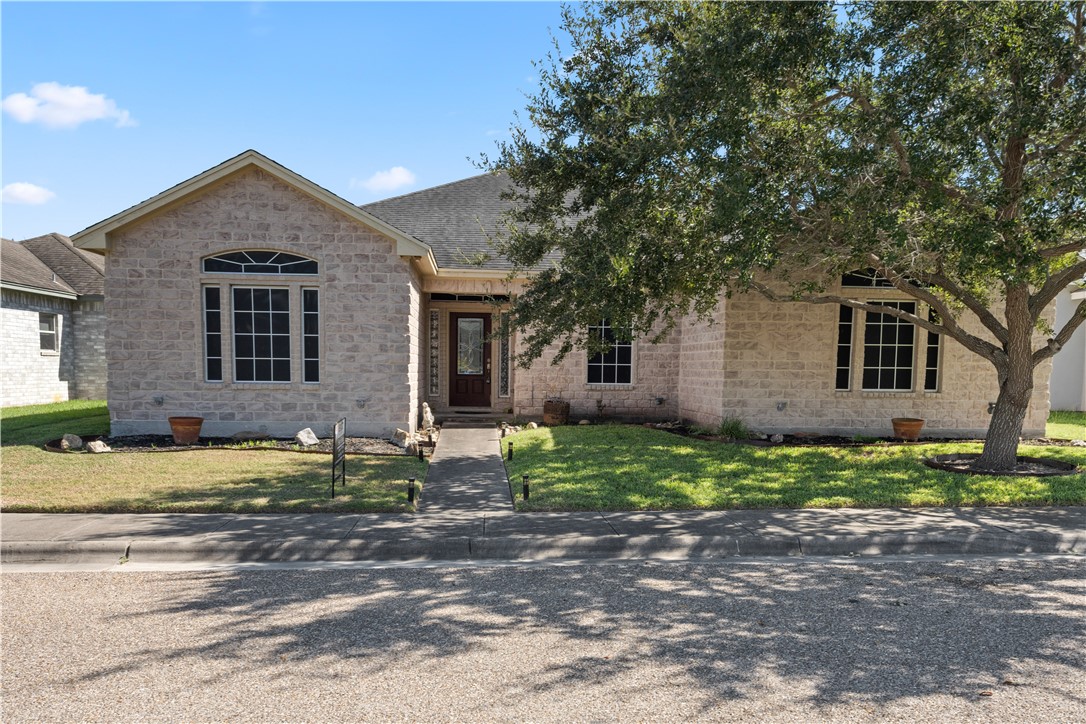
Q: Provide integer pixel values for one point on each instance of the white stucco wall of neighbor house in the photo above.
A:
(1069, 365)
(369, 302)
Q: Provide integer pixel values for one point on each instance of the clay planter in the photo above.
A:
(186, 430)
(907, 428)
(555, 412)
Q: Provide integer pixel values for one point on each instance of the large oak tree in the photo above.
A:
(678, 151)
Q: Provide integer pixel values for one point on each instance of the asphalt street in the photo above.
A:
(918, 640)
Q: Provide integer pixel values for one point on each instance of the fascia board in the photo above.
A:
(37, 290)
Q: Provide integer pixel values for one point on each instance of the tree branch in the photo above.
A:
(1055, 284)
(1068, 248)
(1059, 147)
(1056, 343)
(976, 306)
(950, 327)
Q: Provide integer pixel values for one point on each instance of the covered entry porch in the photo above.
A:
(469, 366)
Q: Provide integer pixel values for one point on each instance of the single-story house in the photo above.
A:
(52, 322)
(255, 298)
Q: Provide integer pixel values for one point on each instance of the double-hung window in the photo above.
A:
(47, 333)
(272, 327)
(615, 366)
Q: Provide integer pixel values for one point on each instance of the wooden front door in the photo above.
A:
(469, 360)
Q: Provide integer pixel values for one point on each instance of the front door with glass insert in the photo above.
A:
(469, 363)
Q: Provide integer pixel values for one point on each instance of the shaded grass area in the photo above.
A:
(192, 481)
(616, 467)
(36, 424)
(1066, 425)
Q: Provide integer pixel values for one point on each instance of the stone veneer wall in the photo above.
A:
(30, 376)
(701, 368)
(368, 295)
(653, 394)
(785, 352)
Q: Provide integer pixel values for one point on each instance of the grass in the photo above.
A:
(1066, 425)
(614, 467)
(194, 481)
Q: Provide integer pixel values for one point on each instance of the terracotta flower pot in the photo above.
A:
(186, 430)
(555, 412)
(907, 428)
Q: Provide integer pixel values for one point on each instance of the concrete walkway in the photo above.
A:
(466, 474)
(458, 535)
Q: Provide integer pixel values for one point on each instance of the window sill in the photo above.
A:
(609, 385)
(45, 353)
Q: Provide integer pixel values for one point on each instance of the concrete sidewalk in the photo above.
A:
(504, 535)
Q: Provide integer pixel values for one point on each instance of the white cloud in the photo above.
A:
(64, 106)
(24, 193)
(390, 180)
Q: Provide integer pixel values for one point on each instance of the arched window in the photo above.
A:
(259, 262)
(261, 330)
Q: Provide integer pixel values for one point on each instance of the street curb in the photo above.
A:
(98, 551)
(536, 547)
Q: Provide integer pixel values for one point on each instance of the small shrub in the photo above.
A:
(733, 429)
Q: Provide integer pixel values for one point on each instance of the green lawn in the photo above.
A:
(1066, 425)
(196, 481)
(617, 467)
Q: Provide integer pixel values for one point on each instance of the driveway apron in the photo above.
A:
(466, 473)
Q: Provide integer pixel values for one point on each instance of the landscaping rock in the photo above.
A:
(249, 436)
(71, 442)
(427, 417)
(531, 426)
(97, 447)
(401, 437)
(585, 422)
(1078, 443)
(411, 448)
(306, 437)
(778, 438)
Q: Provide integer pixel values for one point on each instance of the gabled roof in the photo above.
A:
(97, 236)
(85, 273)
(457, 220)
(21, 270)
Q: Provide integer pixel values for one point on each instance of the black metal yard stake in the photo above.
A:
(510, 449)
(411, 490)
(525, 490)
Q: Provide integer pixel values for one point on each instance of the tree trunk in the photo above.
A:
(1015, 387)
(1005, 430)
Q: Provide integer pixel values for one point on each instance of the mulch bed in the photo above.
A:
(165, 443)
(963, 463)
(815, 440)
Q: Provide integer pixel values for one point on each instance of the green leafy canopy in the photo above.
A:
(679, 151)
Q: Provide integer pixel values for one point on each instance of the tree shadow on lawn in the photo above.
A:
(821, 634)
(685, 474)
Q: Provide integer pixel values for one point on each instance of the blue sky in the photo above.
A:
(107, 104)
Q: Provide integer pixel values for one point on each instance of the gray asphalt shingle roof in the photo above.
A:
(51, 263)
(456, 220)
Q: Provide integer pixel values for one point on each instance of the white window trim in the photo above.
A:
(55, 351)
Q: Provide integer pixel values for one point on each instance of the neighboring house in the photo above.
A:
(258, 300)
(1069, 365)
(53, 322)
